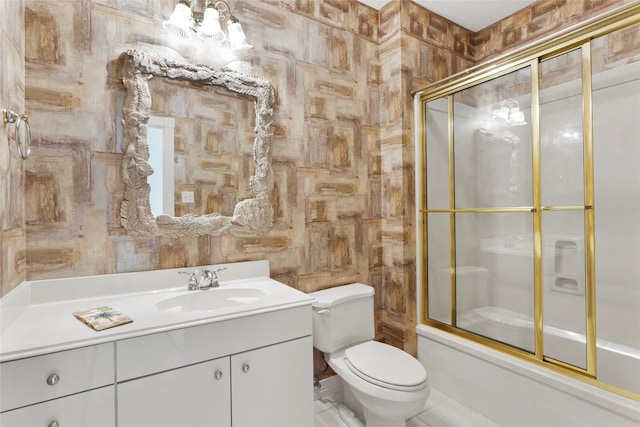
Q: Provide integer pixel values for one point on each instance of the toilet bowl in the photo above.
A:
(390, 384)
(387, 394)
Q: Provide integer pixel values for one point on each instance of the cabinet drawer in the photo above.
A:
(36, 379)
(137, 357)
(95, 408)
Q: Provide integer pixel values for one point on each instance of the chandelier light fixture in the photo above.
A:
(508, 112)
(190, 19)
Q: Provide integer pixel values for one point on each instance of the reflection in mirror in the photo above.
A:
(242, 208)
(214, 137)
(160, 139)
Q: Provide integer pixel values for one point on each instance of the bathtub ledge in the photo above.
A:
(592, 394)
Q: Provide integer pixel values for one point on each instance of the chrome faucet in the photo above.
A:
(211, 278)
(208, 279)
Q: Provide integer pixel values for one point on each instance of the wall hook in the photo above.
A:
(10, 116)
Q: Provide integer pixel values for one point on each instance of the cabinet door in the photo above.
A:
(194, 396)
(273, 386)
(95, 408)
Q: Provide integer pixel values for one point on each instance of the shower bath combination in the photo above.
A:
(529, 227)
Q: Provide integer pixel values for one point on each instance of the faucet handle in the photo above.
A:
(215, 272)
(193, 279)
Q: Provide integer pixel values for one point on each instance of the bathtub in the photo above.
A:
(514, 392)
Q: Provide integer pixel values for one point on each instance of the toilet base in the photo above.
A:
(377, 406)
(348, 416)
(351, 404)
(375, 420)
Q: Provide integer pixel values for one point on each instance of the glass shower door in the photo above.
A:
(530, 209)
(437, 200)
(563, 200)
(493, 209)
(616, 139)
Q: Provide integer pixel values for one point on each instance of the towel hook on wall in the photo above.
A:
(10, 116)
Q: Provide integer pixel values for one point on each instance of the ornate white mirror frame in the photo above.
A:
(253, 216)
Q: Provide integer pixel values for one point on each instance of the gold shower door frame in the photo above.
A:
(577, 37)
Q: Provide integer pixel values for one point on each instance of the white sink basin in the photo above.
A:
(211, 299)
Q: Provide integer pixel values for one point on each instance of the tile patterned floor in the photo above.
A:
(440, 411)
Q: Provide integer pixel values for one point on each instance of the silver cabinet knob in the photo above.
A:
(53, 380)
(217, 374)
(53, 423)
(245, 367)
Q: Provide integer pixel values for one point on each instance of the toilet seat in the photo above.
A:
(385, 366)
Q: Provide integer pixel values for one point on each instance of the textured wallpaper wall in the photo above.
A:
(343, 152)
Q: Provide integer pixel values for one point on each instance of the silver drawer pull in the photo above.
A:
(217, 374)
(53, 380)
(53, 423)
(245, 367)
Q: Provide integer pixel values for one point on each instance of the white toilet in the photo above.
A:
(390, 384)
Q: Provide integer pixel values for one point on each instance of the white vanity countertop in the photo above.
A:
(37, 317)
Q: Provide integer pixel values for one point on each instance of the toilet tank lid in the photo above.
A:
(339, 294)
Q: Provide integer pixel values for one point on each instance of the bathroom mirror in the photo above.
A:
(251, 216)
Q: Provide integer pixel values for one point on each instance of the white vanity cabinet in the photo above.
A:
(237, 356)
(254, 371)
(68, 388)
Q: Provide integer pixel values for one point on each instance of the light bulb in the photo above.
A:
(516, 117)
(237, 39)
(180, 22)
(210, 28)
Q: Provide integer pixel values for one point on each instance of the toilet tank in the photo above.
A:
(342, 316)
